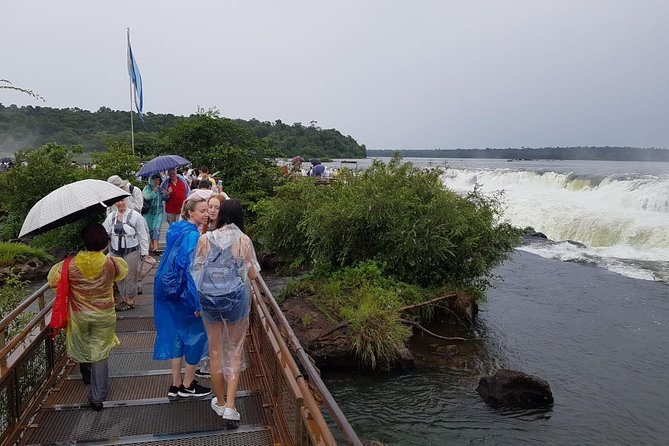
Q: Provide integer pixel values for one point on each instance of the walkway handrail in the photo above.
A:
(22, 306)
(314, 377)
(29, 363)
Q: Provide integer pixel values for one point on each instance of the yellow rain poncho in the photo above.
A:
(91, 325)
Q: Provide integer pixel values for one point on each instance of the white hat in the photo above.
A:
(117, 181)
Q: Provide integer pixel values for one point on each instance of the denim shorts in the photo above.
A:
(155, 234)
(232, 307)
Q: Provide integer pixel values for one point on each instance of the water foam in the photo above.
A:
(623, 219)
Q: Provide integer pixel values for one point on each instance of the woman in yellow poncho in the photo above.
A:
(91, 325)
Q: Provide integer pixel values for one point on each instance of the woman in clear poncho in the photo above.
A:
(180, 334)
(91, 327)
(224, 264)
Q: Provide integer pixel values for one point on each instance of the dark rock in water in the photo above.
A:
(509, 388)
(535, 235)
(372, 443)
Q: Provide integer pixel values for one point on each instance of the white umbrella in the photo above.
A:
(70, 203)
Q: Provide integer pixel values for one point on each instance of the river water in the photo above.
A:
(601, 339)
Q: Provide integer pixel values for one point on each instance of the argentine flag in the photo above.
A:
(136, 79)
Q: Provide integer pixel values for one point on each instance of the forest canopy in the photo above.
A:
(29, 126)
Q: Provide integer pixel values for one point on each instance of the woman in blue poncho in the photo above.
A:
(179, 330)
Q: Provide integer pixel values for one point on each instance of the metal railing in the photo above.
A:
(29, 364)
(297, 395)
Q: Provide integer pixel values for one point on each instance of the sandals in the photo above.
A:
(124, 306)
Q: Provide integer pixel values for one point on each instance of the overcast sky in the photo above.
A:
(411, 74)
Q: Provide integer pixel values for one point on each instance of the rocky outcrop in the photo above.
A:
(510, 388)
(31, 268)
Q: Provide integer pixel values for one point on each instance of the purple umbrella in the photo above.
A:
(161, 164)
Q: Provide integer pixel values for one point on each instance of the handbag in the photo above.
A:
(59, 313)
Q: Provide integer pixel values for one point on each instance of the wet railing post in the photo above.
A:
(3, 359)
(41, 302)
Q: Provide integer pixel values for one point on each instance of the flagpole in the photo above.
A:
(132, 125)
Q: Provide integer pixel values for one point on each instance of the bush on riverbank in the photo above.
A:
(368, 303)
(10, 253)
(429, 240)
(395, 214)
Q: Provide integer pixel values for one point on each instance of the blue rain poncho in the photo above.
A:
(178, 331)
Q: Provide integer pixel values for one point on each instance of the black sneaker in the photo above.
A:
(194, 390)
(174, 391)
(202, 374)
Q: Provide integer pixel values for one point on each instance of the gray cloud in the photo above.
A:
(392, 74)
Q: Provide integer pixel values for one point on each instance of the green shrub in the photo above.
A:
(12, 293)
(35, 174)
(369, 301)
(395, 214)
(10, 253)
(377, 334)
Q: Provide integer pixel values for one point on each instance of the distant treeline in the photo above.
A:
(29, 126)
(552, 153)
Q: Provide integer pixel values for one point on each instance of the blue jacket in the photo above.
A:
(178, 331)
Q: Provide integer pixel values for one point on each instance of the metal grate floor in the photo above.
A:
(244, 436)
(136, 341)
(181, 417)
(138, 311)
(74, 391)
(132, 363)
(134, 325)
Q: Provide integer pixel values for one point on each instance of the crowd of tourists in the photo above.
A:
(201, 289)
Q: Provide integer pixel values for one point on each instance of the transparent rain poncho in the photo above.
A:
(223, 260)
(91, 327)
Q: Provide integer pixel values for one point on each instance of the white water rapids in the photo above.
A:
(623, 219)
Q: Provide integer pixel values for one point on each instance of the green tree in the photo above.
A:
(35, 173)
(118, 160)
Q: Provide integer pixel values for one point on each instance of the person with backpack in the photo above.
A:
(136, 199)
(129, 239)
(225, 263)
(153, 210)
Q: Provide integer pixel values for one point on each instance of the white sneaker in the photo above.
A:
(230, 415)
(220, 410)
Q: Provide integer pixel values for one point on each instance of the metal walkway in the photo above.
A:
(138, 410)
(43, 401)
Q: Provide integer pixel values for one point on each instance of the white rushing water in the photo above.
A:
(618, 212)
(622, 218)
